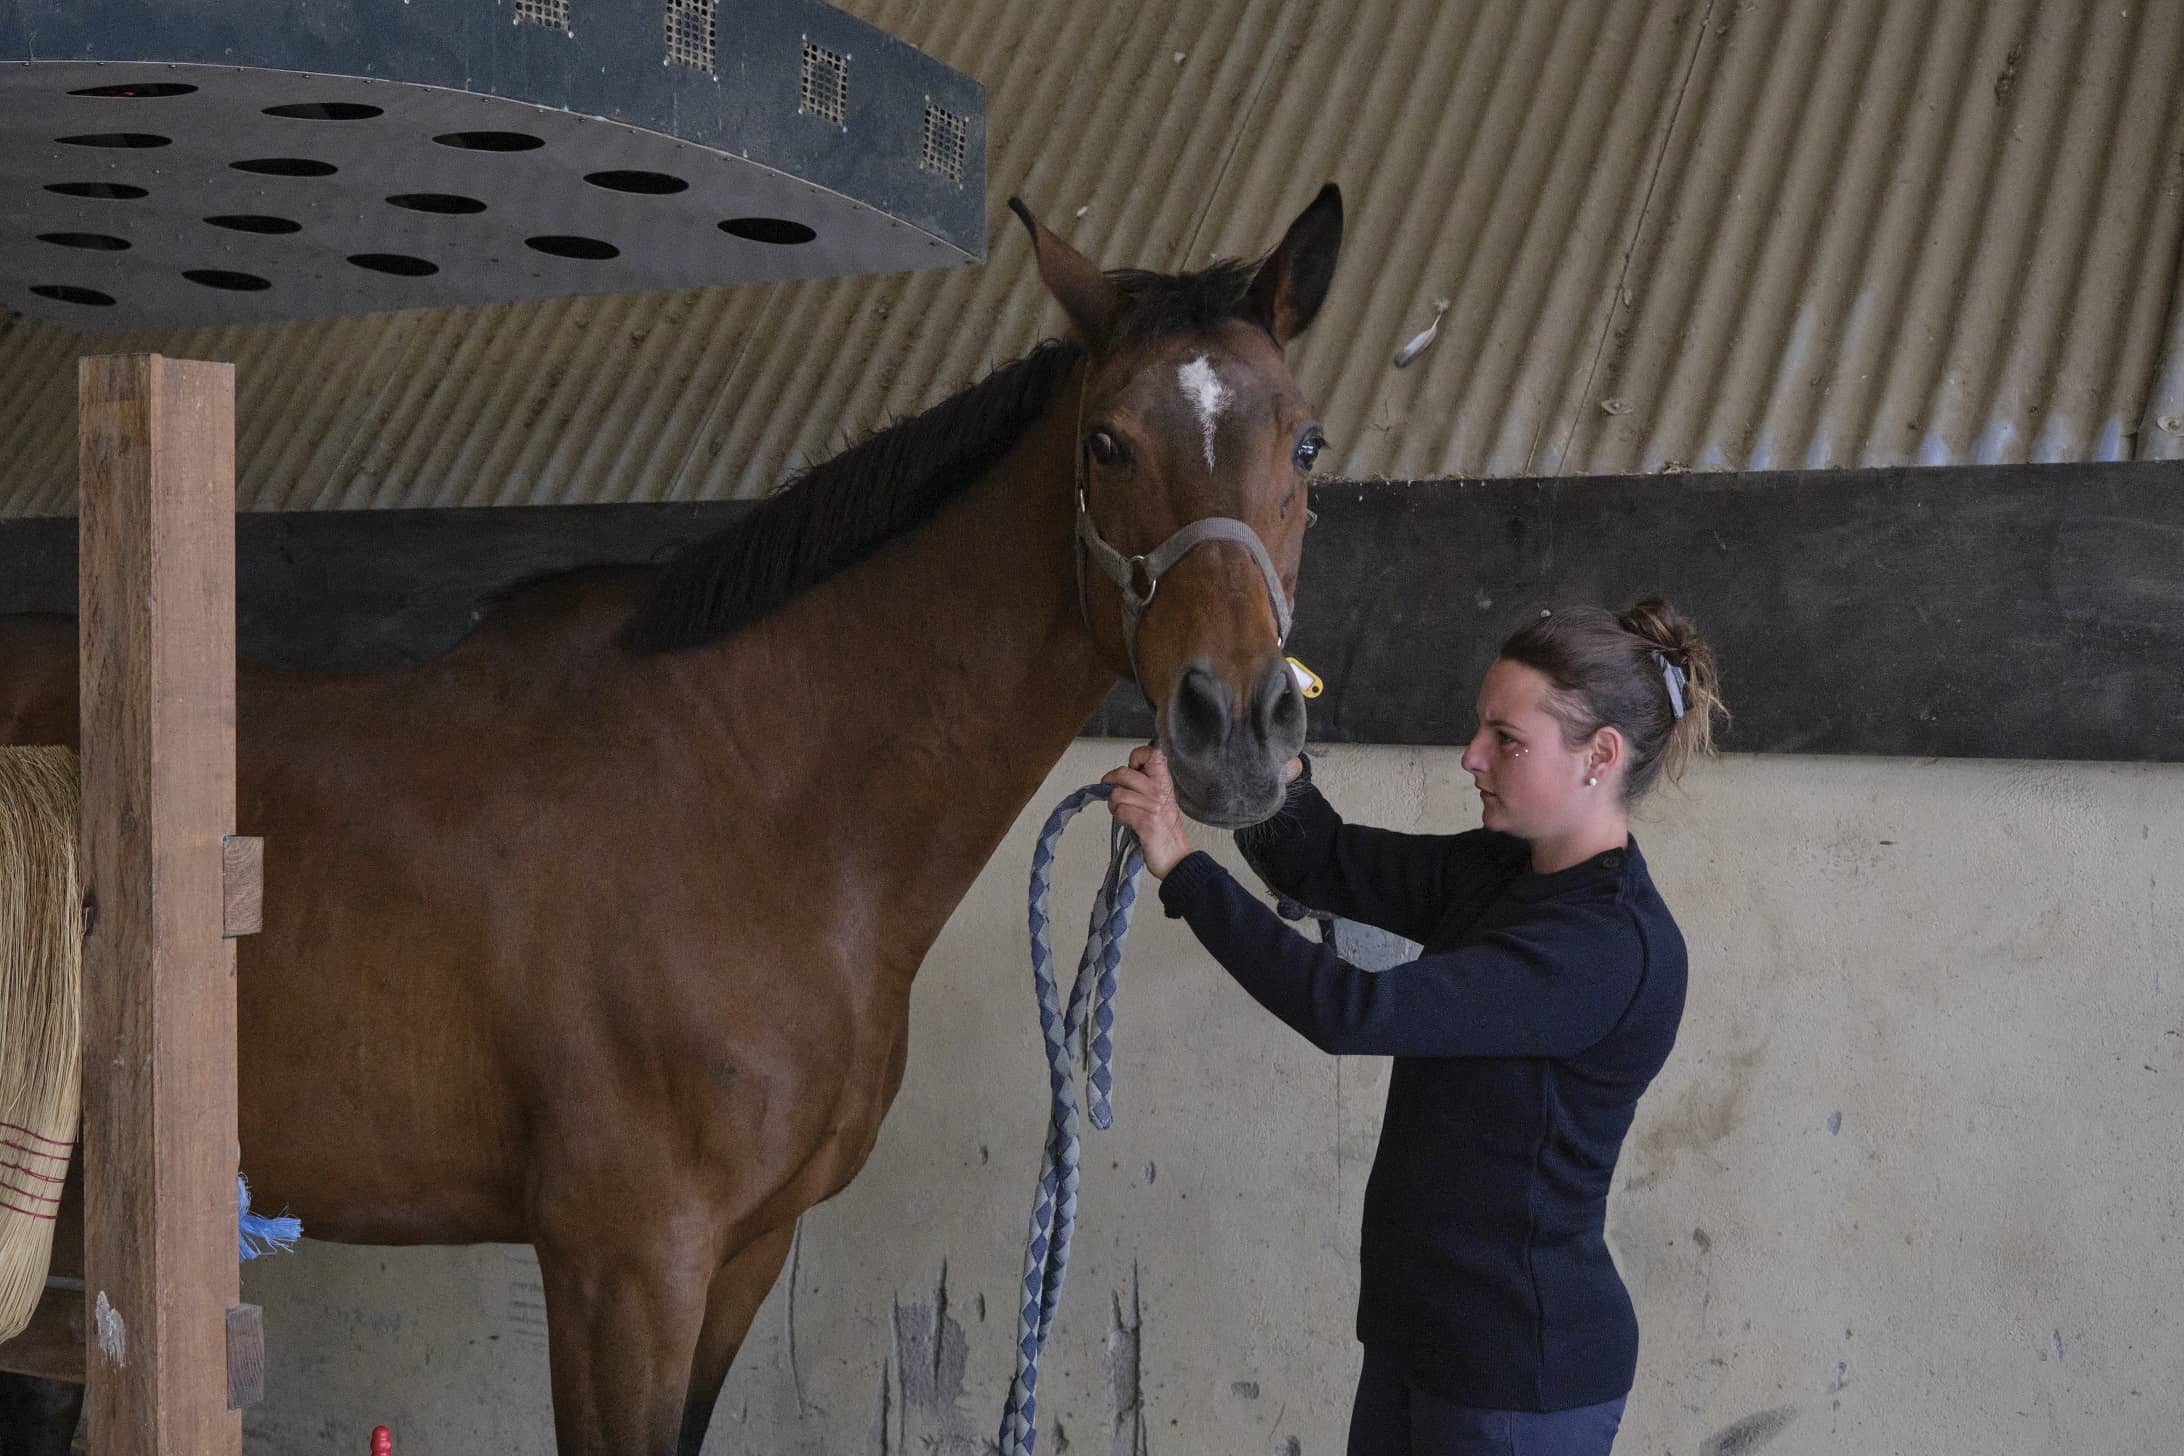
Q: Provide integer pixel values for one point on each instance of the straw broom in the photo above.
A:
(40, 1009)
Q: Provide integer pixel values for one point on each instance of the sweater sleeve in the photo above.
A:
(1402, 883)
(1550, 985)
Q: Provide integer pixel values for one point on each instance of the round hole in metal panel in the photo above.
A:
(650, 184)
(491, 141)
(113, 191)
(447, 204)
(138, 90)
(93, 242)
(326, 111)
(65, 293)
(135, 141)
(231, 282)
(401, 265)
(590, 250)
(777, 230)
(251, 222)
(286, 167)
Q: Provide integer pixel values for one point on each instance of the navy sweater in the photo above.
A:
(1523, 1036)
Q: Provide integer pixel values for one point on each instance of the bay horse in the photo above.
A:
(597, 931)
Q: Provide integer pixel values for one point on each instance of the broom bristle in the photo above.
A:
(41, 1050)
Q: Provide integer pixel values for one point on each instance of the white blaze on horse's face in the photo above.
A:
(1204, 389)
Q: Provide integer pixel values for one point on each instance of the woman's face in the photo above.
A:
(1531, 784)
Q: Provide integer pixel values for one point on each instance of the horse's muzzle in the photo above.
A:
(1226, 747)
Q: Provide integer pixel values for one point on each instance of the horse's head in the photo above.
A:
(1194, 448)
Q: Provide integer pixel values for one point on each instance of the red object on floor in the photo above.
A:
(382, 1441)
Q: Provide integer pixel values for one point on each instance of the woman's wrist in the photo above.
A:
(1164, 852)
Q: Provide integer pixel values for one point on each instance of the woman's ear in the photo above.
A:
(1605, 753)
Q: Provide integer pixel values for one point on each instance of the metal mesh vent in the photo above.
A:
(825, 91)
(690, 34)
(553, 13)
(947, 139)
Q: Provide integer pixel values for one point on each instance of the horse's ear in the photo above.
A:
(1292, 283)
(1075, 280)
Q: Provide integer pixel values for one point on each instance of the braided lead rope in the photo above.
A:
(1064, 1027)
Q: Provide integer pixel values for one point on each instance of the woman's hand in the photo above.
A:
(1144, 799)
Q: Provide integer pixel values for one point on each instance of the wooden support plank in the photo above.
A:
(242, 884)
(157, 638)
(245, 1356)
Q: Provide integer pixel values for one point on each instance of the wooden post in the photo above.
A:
(157, 589)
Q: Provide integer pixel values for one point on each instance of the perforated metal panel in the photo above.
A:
(544, 12)
(824, 91)
(947, 138)
(208, 161)
(690, 34)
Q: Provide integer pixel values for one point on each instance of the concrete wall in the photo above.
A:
(1913, 1182)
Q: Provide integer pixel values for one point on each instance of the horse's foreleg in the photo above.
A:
(738, 1290)
(622, 1326)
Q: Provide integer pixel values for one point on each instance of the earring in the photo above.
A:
(1590, 782)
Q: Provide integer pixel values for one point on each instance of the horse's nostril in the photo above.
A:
(1198, 715)
(1280, 716)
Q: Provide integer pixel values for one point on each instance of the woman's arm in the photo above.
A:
(1402, 883)
(1549, 986)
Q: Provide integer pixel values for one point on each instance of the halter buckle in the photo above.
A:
(1139, 569)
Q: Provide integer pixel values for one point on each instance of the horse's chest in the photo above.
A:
(862, 1087)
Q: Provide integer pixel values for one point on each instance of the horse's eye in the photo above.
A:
(1308, 450)
(1106, 450)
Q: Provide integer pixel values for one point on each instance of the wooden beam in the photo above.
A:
(157, 641)
(51, 1346)
(2022, 611)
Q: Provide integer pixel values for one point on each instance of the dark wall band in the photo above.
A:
(2028, 611)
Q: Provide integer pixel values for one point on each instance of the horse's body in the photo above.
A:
(607, 947)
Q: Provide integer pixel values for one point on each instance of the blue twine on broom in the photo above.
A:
(258, 1234)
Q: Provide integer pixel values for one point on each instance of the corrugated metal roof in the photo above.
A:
(1495, 155)
(1717, 233)
(1894, 234)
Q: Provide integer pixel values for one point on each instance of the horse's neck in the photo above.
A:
(929, 691)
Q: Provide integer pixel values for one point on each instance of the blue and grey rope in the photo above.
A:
(1084, 1025)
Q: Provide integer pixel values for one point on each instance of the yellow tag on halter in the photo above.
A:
(1308, 681)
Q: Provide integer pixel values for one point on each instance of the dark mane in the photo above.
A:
(836, 513)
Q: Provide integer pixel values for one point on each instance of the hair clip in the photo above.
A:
(1674, 676)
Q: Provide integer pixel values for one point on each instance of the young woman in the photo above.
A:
(1546, 1000)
